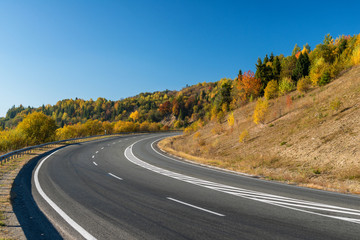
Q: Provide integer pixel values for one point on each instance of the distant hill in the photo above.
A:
(152, 107)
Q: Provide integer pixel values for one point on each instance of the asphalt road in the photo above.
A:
(125, 188)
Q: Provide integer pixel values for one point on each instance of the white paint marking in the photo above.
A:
(68, 219)
(93, 156)
(97, 152)
(289, 203)
(115, 176)
(95, 163)
(193, 206)
(102, 148)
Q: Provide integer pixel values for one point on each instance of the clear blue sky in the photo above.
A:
(52, 50)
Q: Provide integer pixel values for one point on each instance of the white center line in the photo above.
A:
(193, 206)
(93, 156)
(96, 151)
(115, 176)
(95, 163)
(102, 148)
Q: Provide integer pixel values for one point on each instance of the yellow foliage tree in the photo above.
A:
(271, 90)
(93, 127)
(38, 128)
(231, 119)
(134, 116)
(356, 56)
(261, 109)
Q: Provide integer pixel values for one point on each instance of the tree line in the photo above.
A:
(193, 106)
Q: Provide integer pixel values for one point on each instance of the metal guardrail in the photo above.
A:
(18, 153)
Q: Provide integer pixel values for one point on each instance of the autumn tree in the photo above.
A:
(231, 119)
(165, 108)
(134, 116)
(38, 128)
(260, 111)
(271, 90)
(248, 86)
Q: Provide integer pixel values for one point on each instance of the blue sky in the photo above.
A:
(53, 50)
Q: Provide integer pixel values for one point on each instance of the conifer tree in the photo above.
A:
(302, 67)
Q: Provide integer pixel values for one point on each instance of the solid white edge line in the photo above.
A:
(68, 219)
(200, 165)
(193, 206)
(115, 176)
(276, 204)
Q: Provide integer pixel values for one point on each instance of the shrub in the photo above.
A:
(325, 78)
(220, 116)
(286, 85)
(317, 70)
(244, 136)
(178, 124)
(304, 84)
(231, 119)
(335, 104)
(271, 90)
(38, 128)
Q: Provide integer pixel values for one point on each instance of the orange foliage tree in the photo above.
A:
(248, 85)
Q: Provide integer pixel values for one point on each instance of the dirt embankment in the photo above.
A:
(311, 139)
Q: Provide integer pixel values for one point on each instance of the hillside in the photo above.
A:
(276, 77)
(310, 139)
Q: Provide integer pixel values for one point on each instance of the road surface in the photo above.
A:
(126, 188)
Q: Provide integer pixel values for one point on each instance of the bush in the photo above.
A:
(335, 104)
(286, 85)
(318, 68)
(325, 78)
(304, 84)
(38, 128)
(271, 90)
(11, 140)
(231, 119)
(244, 136)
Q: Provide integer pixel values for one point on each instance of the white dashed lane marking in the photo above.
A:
(196, 207)
(320, 209)
(115, 176)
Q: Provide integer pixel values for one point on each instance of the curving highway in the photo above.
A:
(126, 188)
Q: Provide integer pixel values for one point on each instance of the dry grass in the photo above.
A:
(309, 139)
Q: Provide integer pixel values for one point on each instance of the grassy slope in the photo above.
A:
(306, 142)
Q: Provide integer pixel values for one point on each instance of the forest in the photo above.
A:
(190, 108)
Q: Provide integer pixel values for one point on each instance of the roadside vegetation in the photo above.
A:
(279, 112)
(296, 120)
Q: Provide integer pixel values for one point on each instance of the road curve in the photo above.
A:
(126, 188)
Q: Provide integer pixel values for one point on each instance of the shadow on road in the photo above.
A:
(33, 222)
